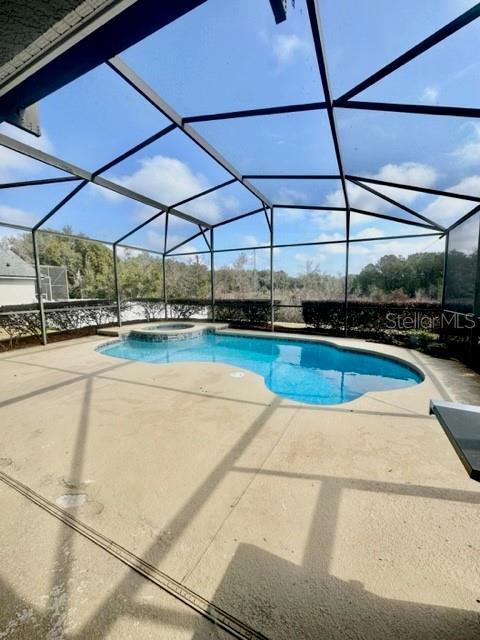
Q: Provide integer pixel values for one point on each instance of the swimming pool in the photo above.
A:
(301, 370)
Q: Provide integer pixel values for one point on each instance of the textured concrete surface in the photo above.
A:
(53, 580)
(348, 521)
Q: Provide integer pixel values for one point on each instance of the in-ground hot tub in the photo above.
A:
(170, 326)
(166, 331)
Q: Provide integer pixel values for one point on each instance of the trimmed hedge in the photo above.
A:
(384, 317)
(324, 315)
(254, 312)
(23, 320)
(180, 308)
(63, 304)
(377, 319)
(367, 318)
(152, 308)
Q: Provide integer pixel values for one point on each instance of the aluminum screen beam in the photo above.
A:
(432, 110)
(212, 272)
(138, 227)
(309, 176)
(205, 192)
(40, 181)
(309, 207)
(252, 113)
(137, 147)
(58, 206)
(46, 158)
(141, 249)
(421, 47)
(177, 204)
(464, 218)
(38, 278)
(314, 17)
(308, 244)
(397, 204)
(186, 241)
(19, 227)
(125, 72)
(79, 48)
(117, 286)
(242, 215)
(409, 187)
(272, 279)
(394, 218)
(207, 242)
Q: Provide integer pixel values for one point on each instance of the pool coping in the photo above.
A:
(148, 328)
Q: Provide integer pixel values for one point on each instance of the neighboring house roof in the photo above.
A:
(12, 266)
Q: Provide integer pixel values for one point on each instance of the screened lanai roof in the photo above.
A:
(350, 115)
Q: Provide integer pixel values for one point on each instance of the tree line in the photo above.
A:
(89, 267)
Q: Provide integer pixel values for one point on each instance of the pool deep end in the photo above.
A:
(305, 371)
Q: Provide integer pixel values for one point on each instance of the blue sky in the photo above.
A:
(230, 55)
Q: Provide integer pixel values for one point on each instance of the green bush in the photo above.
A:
(252, 312)
(185, 309)
(324, 315)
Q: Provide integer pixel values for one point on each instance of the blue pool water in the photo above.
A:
(309, 372)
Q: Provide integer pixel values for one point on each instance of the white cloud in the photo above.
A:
(306, 260)
(338, 248)
(415, 173)
(447, 210)
(430, 95)
(174, 239)
(251, 241)
(368, 232)
(287, 195)
(469, 153)
(12, 215)
(362, 254)
(189, 248)
(466, 237)
(469, 186)
(155, 240)
(406, 173)
(329, 219)
(320, 218)
(15, 166)
(170, 180)
(289, 215)
(287, 46)
(329, 237)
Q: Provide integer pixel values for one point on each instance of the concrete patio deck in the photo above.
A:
(346, 521)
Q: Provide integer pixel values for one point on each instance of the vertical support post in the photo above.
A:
(36, 259)
(444, 279)
(476, 299)
(164, 273)
(347, 256)
(212, 273)
(117, 286)
(272, 297)
(474, 339)
(164, 276)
